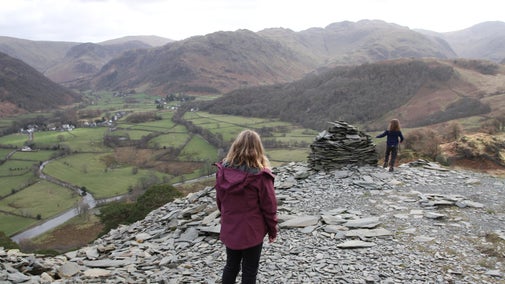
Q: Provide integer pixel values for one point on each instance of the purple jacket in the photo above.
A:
(248, 206)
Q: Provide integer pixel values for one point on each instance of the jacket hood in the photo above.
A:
(236, 179)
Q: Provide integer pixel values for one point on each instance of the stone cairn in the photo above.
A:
(342, 144)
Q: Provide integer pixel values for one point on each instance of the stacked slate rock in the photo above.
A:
(341, 145)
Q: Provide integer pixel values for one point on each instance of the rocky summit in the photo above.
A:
(357, 224)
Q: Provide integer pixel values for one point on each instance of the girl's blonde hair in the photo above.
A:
(248, 150)
(394, 125)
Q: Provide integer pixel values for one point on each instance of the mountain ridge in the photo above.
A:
(373, 40)
(294, 55)
(24, 89)
(50, 57)
(339, 43)
(190, 65)
(481, 41)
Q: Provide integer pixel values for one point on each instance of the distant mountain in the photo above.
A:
(349, 43)
(224, 61)
(419, 92)
(24, 89)
(482, 41)
(84, 60)
(215, 63)
(41, 55)
(151, 40)
(65, 62)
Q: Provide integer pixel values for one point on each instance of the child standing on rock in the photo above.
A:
(394, 137)
(246, 199)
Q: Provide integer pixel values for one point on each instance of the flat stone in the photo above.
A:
(366, 233)
(140, 238)
(302, 221)
(355, 244)
(96, 273)
(68, 269)
(369, 222)
(433, 215)
(106, 263)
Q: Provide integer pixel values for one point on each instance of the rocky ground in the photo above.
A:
(420, 224)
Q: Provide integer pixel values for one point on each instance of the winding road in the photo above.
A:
(87, 200)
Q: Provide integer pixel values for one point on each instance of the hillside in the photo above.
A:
(85, 60)
(64, 62)
(223, 61)
(481, 41)
(22, 89)
(41, 55)
(349, 43)
(418, 92)
(214, 63)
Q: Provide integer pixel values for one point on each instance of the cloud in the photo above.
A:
(99, 20)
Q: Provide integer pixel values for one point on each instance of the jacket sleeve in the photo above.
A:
(218, 199)
(268, 204)
(401, 137)
(382, 135)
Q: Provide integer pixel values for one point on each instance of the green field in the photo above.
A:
(280, 157)
(175, 140)
(14, 183)
(16, 139)
(5, 123)
(162, 125)
(4, 153)
(131, 134)
(107, 102)
(86, 139)
(294, 138)
(12, 224)
(40, 155)
(42, 198)
(15, 168)
(47, 138)
(225, 125)
(89, 170)
(197, 149)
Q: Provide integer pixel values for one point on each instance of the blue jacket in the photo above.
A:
(393, 137)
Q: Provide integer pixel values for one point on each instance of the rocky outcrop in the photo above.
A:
(480, 147)
(422, 224)
(342, 144)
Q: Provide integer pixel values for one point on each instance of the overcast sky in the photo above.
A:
(100, 20)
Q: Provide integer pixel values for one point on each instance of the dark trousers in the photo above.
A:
(393, 151)
(250, 259)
